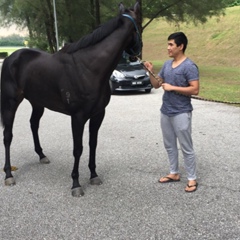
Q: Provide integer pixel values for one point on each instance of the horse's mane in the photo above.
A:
(96, 36)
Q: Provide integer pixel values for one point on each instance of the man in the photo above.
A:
(180, 79)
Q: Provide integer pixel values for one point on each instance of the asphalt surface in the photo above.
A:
(130, 204)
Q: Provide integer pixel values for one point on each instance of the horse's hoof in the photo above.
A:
(10, 181)
(77, 192)
(44, 160)
(95, 181)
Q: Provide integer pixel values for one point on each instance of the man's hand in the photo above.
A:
(156, 81)
(192, 89)
(149, 66)
(167, 87)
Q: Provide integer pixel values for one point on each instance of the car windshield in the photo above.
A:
(129, 60)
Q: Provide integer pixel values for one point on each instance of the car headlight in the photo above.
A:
(117, 74)
(147, 73)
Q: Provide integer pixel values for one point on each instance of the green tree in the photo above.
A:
(76, 18)
(12, 40)
(38, 17)
(182, 10)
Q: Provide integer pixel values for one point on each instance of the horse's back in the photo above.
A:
(53, 81)
(40, 77)
(25, 56)
(12, 68)
(26, 53)
(17, 60)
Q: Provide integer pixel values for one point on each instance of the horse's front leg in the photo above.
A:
(77, 132)
(94, 125)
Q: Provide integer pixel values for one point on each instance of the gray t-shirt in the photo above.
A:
(174, 103)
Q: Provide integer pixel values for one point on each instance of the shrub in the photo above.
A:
(3, 54)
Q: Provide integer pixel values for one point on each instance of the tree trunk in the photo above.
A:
(141, 20)
(97, 13)
(50, 30)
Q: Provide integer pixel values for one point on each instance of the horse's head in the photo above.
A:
(135, 46)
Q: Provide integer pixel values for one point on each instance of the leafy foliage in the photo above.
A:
(234, 3)
(12, 40)
(76, 18)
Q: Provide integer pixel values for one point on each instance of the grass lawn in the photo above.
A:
(216, 83)
(213, 46)
(220, 83)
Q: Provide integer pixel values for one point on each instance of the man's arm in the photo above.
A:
(156, 81)
(192, 89)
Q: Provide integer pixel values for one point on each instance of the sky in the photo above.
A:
(12, 30)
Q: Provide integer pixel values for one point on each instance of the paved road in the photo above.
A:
(130, 204)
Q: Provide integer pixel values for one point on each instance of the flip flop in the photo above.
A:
(169, 179)
(190, 186)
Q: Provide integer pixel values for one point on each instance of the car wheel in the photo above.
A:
(148, 90)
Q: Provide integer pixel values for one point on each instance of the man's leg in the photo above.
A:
(170, 143)
(183, 128)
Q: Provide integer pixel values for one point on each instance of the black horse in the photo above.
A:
(73, 81)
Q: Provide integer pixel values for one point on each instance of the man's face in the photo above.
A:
(173, 49)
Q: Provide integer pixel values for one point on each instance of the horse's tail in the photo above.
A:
(8, 87)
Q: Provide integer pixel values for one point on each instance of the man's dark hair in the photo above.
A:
(179, 38)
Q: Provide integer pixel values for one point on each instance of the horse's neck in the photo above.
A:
(103, 57)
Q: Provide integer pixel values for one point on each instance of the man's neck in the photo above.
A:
(178, 60)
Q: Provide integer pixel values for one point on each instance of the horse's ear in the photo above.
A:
(137, 7)
(121, 8)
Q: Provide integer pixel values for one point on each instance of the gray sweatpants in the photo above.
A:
(179, 127)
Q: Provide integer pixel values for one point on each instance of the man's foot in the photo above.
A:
(170, 178)
(191, 186)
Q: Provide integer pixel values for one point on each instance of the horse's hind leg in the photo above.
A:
(37, 113)
(9, 108)
(94, 125)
